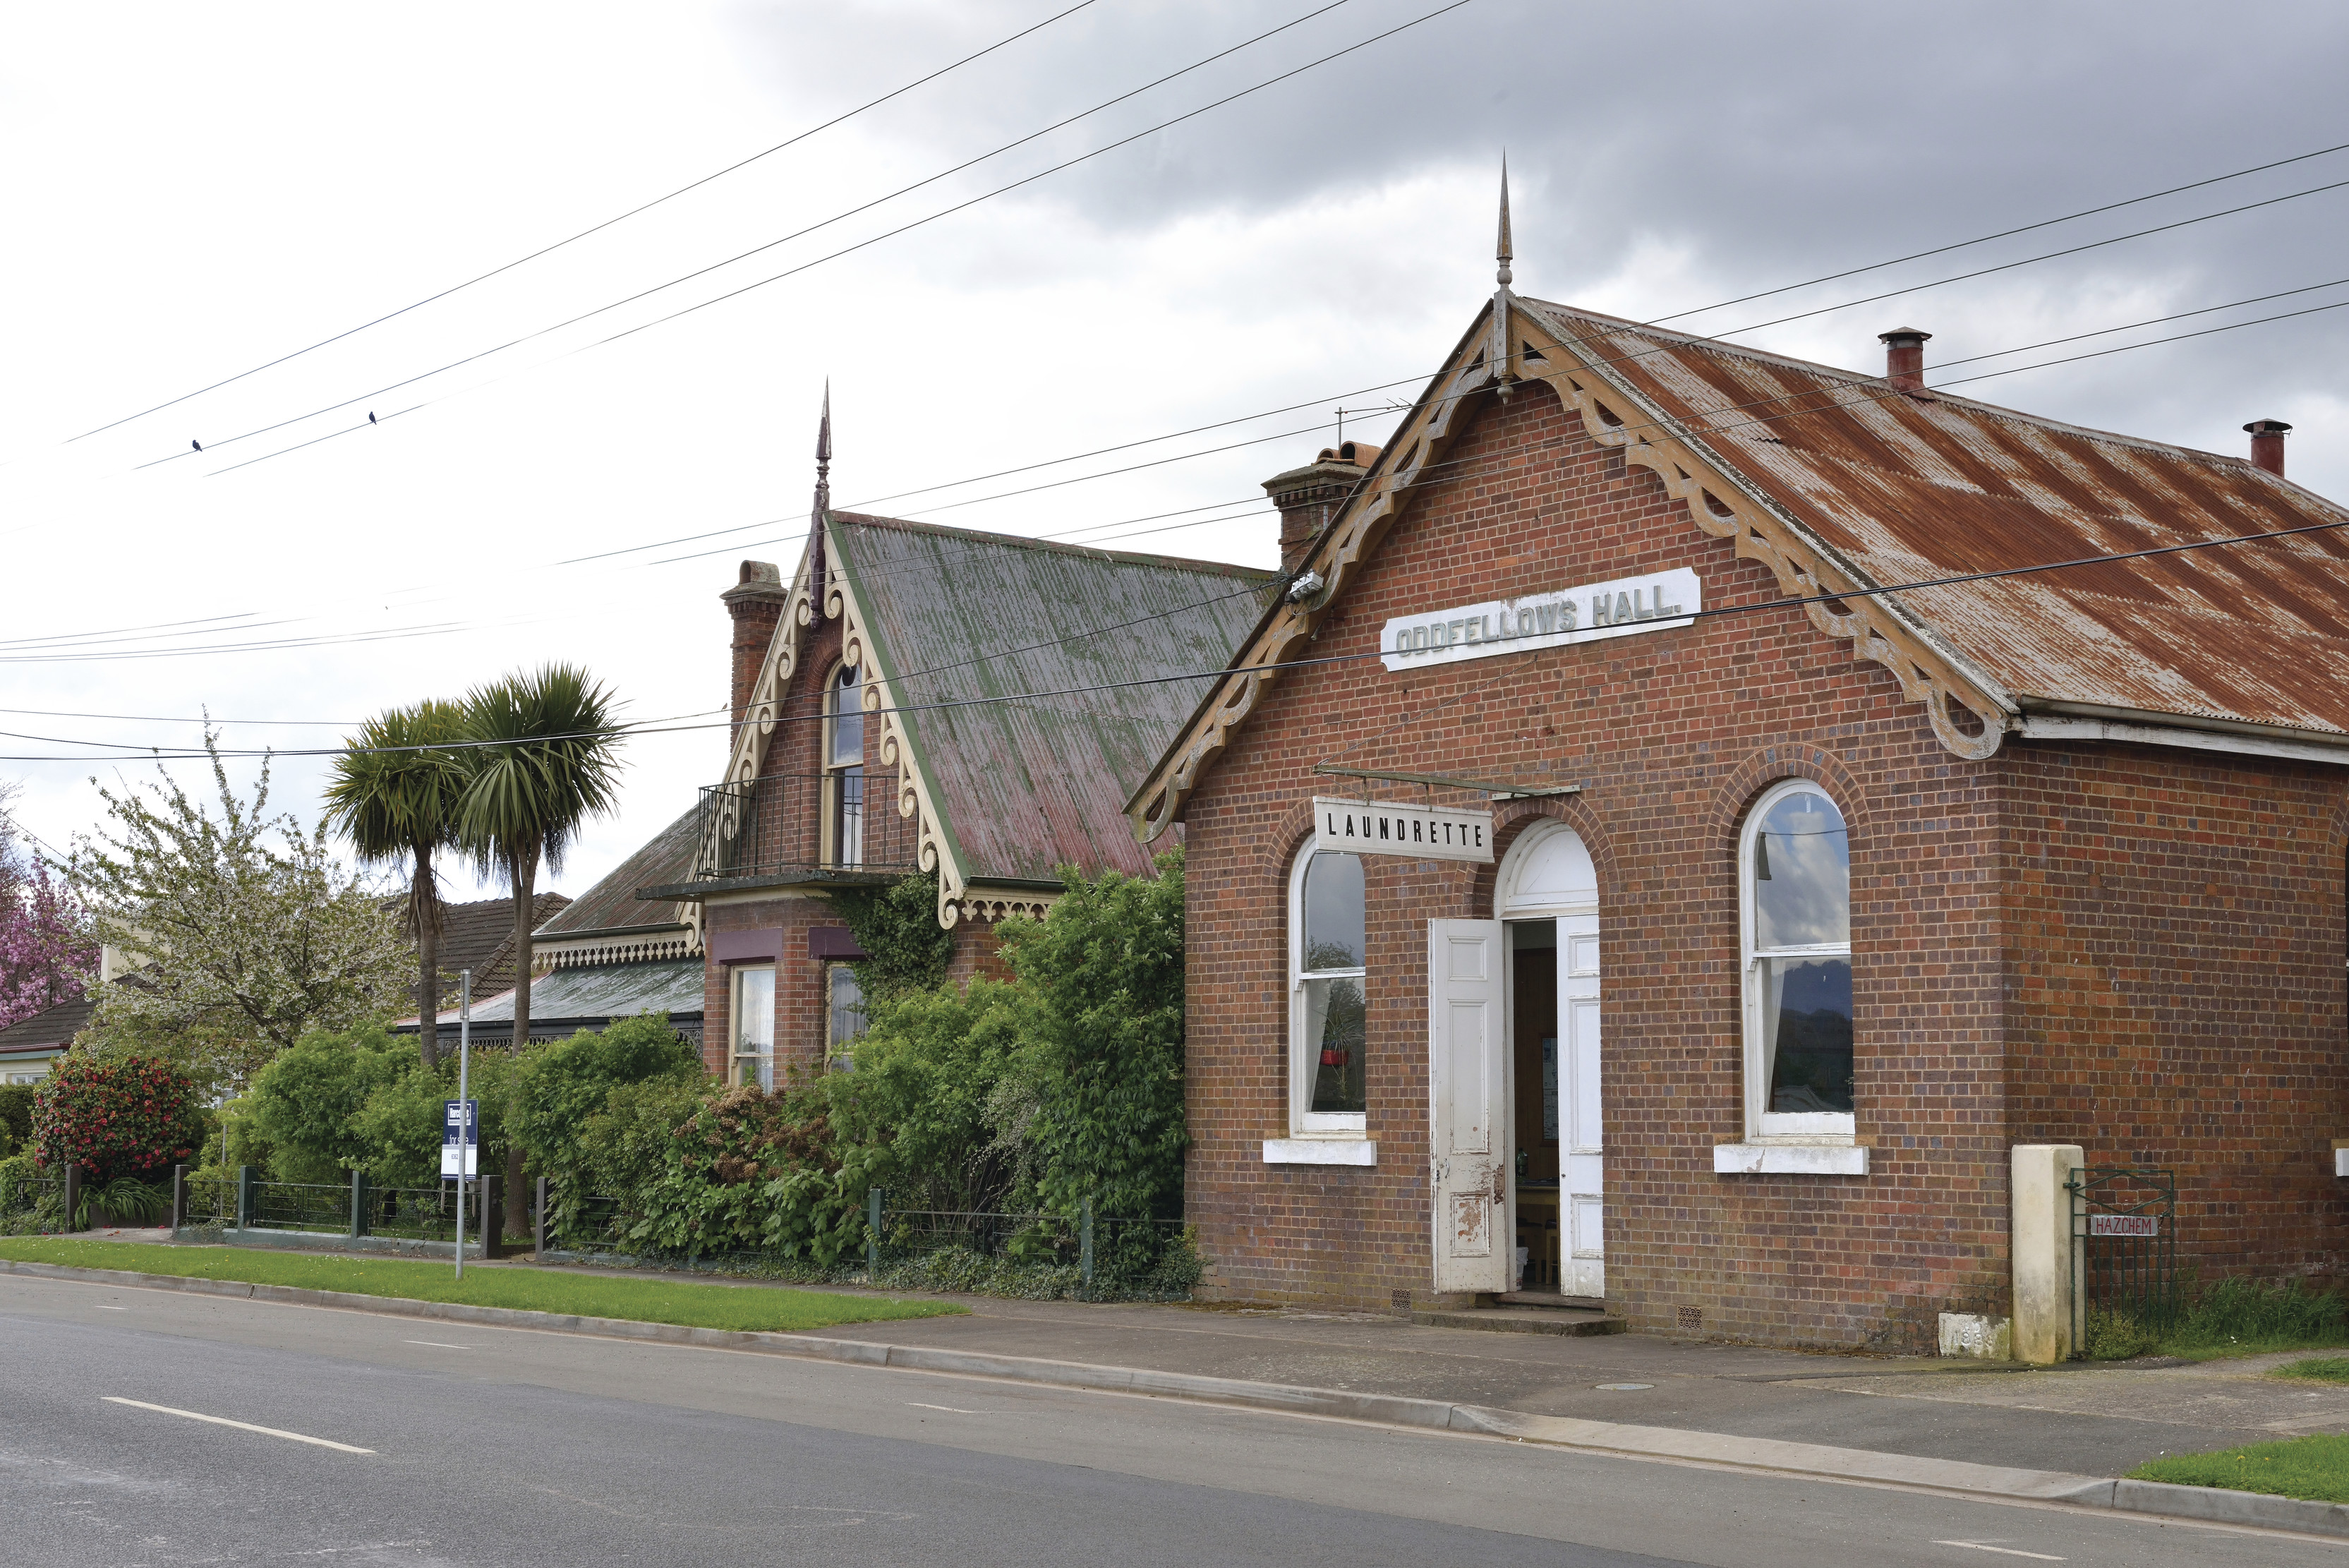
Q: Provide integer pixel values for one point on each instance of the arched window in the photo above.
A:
(1329, 1006)
(1794, 865)
(844, 767)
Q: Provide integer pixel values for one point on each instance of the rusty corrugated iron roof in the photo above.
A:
(1913, 486)
(955, 615)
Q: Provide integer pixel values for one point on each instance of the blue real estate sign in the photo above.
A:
(461, 1127)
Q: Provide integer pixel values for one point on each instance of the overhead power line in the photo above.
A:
(1850, 272)
(1224, 672)
(596, 229)
(837, 217)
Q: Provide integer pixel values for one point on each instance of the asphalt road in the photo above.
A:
(505, 1447)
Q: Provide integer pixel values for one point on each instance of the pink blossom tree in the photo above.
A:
(46, 946)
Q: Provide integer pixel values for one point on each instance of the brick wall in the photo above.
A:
(2174, 954)
(1670, 736)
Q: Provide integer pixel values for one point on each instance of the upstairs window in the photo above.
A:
(1796, 865)
(843, 761)
(1328, 1001)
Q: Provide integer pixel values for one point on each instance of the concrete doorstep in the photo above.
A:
(1774, 1456)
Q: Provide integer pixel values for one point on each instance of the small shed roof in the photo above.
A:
(601, 992)
(957, 615)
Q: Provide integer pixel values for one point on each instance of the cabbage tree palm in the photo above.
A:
(394, 793)
(545, 759)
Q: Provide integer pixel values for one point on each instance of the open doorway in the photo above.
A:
(1548, 897)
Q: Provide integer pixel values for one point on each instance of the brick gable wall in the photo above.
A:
(1671, 734)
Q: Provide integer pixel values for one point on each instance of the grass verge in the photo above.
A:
(2313, 1467)
(2315, 1369)
(588, 1295)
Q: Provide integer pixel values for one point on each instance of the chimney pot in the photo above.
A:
(755, 603)
(1904, 357)
(1309, 496)
(2267, 444)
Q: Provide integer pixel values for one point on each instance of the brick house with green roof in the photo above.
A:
(872, 741)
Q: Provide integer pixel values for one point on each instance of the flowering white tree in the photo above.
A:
(241, 933)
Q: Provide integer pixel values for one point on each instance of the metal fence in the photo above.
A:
(356, 1209)
(1084, 1254)
(842, 821)
(2125, 1244)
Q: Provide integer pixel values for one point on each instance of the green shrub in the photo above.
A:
(306, 1101)
(16, 1115)
(751, 1170)
(1104, 972)
(123, 1116)
(927, 1073)
(2117, 1337)
(897, 927)
(559, 1086)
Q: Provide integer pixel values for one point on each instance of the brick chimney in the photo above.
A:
(756, 603)
(2267, 444)
(1904, 357)
(1309, 496)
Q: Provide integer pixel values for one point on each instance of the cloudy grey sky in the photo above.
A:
(190, 193)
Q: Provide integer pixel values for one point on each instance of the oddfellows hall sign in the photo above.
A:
(1623, 608)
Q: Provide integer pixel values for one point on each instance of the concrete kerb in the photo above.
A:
(2207, 1504)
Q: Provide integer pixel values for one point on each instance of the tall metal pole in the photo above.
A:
(464, 1107)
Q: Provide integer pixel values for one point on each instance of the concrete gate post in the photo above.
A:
(2046, 1315)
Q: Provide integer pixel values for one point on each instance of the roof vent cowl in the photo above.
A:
(2267, 444)
(1904, 357)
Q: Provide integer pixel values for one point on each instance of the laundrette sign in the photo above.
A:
(1620, 609)
(1393, 828)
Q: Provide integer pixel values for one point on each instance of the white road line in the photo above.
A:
(2003, 1551)
(240, 1426)
(950, 1409)
(436, 1345)
(103, 1307)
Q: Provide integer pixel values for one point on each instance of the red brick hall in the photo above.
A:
(867, 744)
(1652, 894)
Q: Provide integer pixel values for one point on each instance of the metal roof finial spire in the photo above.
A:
(823, 457)
(1498, 355)
(1504, 252)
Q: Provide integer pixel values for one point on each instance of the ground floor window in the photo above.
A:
(1329, 1023)
(844, 1013)
(752, 1015)
(1796, 858)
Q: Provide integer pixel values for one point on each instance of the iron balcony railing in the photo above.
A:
(786, 824)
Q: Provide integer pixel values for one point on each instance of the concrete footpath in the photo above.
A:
(2052, 1436)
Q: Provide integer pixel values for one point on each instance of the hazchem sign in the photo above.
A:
(2123, 1225)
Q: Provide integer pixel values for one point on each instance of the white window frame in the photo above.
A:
(735, 1055)
(1764, 1126)
(835, 772)
(1304, 1122)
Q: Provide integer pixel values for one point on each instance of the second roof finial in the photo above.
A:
(1504, 252)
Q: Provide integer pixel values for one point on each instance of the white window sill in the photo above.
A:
(1789, 1159)
(2340, 1156)
(1320, 1151)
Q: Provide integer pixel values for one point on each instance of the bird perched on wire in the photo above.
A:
(197, 444)
(370, 416)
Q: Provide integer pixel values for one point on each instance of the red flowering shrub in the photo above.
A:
(125, 1116)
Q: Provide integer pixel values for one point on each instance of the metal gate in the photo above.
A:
(2125, 1244)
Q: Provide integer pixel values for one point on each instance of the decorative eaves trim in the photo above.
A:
(1722, 501)
(861, 645)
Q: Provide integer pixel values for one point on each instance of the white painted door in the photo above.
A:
(1467, 1088)
(1583, 1173)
